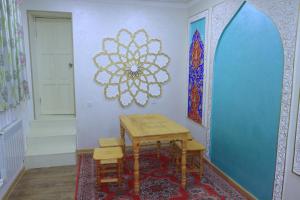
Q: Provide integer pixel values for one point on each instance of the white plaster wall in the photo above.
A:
(292, 181)
(95, 20)
(6, 118)
(202, 5)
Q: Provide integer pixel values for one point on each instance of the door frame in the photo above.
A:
(31, 16)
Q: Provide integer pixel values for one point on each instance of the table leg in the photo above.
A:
(122, 133)
(136, 167)
(183, 164)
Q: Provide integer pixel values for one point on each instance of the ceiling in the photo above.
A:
(170, 1)
(176, 3)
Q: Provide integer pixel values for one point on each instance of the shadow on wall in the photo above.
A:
(248, 73)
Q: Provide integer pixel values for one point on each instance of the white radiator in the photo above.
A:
(12, 151)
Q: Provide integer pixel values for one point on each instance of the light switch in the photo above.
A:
(89, 104)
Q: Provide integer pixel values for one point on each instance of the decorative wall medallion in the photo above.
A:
(131, 67)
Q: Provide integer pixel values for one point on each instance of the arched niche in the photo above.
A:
(246, 100)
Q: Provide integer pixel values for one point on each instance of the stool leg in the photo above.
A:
(98, 168)
(119, 171)
(122, 166)
(97, 172)
(171, 151)
(158, 149)
(201, 164)
(192, 163)
(177, 161)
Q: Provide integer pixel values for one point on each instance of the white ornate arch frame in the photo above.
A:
(284, 14)
(296, 161)
(199, 16)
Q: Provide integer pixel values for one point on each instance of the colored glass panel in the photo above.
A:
(196, 71)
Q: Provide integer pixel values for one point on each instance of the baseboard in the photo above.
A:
(83, 151)
(234, 184)
(51, 160)
(14, 183)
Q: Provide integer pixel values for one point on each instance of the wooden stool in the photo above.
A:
(194, 149)
(108, 160)
(110, 142)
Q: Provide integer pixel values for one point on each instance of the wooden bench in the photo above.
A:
(194, 151)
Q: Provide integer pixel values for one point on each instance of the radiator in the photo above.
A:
(12, 151)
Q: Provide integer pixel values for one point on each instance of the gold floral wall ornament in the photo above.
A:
(132, 67)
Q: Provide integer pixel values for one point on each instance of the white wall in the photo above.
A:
(95, 20)
(292, 181)
(202, 5)
(6, 118)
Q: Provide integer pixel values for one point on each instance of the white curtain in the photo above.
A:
(8, 117)
(13, 81)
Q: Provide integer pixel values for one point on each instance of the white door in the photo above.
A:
(53, 80)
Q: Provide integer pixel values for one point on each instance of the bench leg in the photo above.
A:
(201, 164)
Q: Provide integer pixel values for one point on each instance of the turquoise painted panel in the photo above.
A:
(200, 26)
(248, 72)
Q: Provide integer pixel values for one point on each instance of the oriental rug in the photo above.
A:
(158, 181)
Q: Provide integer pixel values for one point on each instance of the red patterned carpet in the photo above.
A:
(159, 181)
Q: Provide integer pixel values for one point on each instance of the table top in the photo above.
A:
(150, 125)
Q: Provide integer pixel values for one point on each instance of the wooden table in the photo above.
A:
(152, 127)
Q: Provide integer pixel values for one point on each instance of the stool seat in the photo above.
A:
(192, 145)
(110, 142)
(109, 161)
(107, 153)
